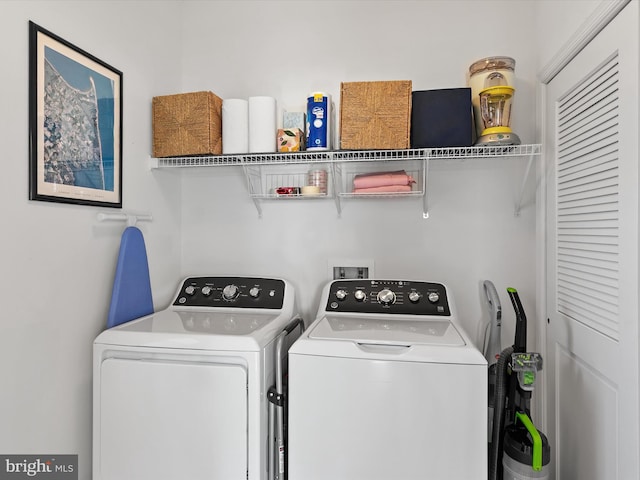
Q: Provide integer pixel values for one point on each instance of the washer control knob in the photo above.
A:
(360, 295)
(190, 290)
(386, 297)
(230, 292)
(433, 297)
(341, 294)
(414, 297)
(255, 292)
(206, 290)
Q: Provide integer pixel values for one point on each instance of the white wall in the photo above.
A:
(57, 261)
(561, 19)
(472, 234)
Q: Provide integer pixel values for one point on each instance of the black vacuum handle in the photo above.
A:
(520, 342)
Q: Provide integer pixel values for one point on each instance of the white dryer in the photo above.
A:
(385, 384)
(182, 393)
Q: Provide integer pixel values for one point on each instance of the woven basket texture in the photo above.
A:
(187, 124)
(375, 115)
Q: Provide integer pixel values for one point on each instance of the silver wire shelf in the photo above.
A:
(264, 179)
(346, 156)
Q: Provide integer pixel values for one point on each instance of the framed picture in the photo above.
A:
(75, 124)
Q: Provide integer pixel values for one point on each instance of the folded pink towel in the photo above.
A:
(384, 188)
(381, 179)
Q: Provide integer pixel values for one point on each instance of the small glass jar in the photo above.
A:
(318, 178)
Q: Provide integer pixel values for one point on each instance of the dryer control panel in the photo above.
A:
(237, 292)
(400, 297)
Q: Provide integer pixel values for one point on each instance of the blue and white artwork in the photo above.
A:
(79, 124)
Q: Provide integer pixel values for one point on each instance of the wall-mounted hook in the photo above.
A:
(130, 218)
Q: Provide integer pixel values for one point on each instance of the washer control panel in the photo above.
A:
(237, 292)
(388, 296)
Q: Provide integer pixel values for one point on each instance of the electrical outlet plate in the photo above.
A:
(350, 268)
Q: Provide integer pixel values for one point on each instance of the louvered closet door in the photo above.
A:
(592, 267)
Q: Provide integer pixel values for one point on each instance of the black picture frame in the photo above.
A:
(75, 124)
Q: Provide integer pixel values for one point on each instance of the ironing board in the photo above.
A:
(131, 296)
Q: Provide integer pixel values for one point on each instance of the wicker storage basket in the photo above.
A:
(187, 124)
(375, 115)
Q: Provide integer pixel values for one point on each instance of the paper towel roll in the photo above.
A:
(262, 124)
(235, 125)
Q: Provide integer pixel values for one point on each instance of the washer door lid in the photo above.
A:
(388, 331)
(208, 323)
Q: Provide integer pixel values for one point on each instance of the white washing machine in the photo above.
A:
(385, 384)
(182, 393)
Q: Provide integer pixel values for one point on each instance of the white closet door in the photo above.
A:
(592, 258)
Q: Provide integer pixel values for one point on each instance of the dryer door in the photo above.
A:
(170, 419)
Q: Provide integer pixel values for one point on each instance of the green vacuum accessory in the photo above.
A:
(526, 365)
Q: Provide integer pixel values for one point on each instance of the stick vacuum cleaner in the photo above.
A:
(517, 450)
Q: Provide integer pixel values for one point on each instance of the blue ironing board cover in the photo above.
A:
(131, 296)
